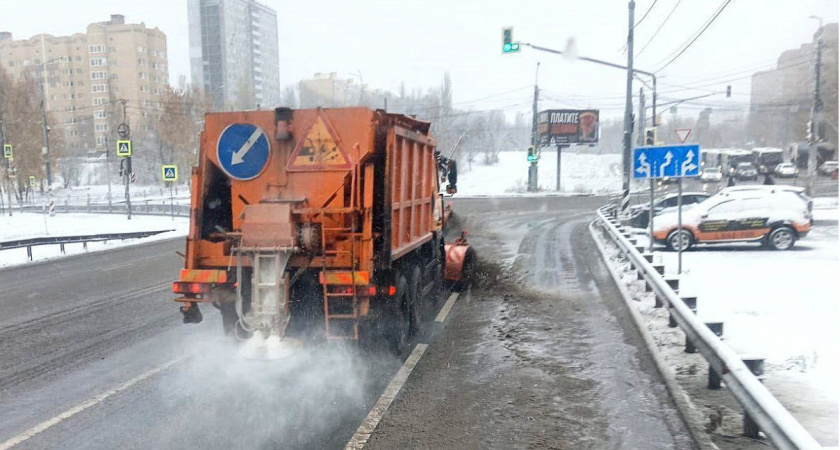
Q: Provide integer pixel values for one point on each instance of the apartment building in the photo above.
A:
(234, 52)
(89, 79)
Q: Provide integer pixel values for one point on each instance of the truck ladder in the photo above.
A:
(343, 306)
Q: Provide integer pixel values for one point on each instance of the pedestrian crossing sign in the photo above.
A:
(7, 151)
(169, 172)
(123, 148)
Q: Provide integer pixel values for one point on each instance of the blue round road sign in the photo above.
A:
(243, 151)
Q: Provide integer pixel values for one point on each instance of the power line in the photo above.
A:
(660, 27)
(697, 36)
(646, 13)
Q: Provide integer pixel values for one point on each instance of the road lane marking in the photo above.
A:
(446, 307)
(45, 425)
(360, 438)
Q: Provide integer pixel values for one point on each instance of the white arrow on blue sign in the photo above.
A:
(675, 161)
(243, 150)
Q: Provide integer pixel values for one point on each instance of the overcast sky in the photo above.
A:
(417, 41)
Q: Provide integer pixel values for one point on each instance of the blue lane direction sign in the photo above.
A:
(169, 172)
(675, 161)
(243, 151)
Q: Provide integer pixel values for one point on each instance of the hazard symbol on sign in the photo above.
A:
(319, 149)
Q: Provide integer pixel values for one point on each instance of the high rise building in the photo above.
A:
(233, 52)
(781, 98)
(89, 77)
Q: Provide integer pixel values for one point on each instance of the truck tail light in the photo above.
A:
(189, 287)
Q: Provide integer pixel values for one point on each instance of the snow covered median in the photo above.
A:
(580, 174)
(779, 305)
(34, 225)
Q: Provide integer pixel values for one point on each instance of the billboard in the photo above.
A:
(568, 126)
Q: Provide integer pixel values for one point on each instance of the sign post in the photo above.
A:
(169, 173)
(674, 161)
(563, 127)
(124, 151)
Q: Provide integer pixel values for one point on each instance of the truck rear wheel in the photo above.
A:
(399, 331)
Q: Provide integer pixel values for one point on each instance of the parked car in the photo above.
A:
(711, 174)
(776, 218)
(828, 168)
(640, 215)
(786, 170)
(746, 171)
(799, 191)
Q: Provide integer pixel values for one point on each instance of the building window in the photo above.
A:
(96, 62)
(100, 100)
(98, 75)
(99, 88)
(101, 127)
(143, 75)
(11, 63)
(101, 140)
(96, 49)
(100, 114)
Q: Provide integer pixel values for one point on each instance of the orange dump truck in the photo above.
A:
(318, 223)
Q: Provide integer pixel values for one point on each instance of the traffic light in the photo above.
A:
(650, 136)
(508, 46)
(532, 154)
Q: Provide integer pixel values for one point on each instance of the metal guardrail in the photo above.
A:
(62, 240)
(760, 406)
(141, 208)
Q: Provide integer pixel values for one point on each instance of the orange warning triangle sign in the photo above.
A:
(319, 149)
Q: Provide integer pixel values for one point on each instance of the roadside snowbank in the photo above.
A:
(32, 225)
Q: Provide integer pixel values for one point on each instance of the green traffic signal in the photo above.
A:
(508, 46)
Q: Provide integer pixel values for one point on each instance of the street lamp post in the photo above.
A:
(45, 130)
(816, 113)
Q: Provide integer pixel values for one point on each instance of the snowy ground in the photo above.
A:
(580, 174)
(79, 195)
(31, 225)
(784, 306)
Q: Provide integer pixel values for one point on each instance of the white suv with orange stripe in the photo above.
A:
(775, 217)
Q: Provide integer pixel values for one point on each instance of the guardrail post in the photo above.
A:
(61, 247)
(147, 205)
(674, 284)
(714, 377)
(88, 203)
(691, 302)
(29, 252)
(660, 268)
(756, 366)
(716, 327)
(84, 245)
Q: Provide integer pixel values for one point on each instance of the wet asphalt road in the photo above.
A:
(556, 367)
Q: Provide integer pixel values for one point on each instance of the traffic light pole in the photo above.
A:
(532, 169)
